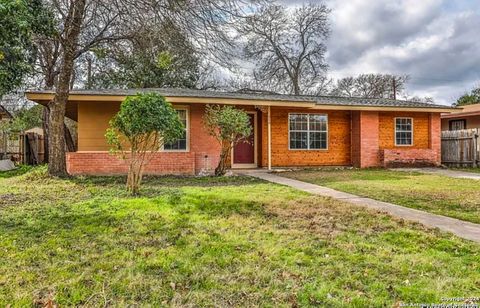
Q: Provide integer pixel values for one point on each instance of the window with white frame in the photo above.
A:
(403, 131)
(308, 131)
(181, 143)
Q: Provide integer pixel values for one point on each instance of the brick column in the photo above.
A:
(435, 132)
(365, 139)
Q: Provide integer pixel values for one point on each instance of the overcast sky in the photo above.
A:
(436, 42)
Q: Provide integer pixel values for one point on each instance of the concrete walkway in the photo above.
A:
(444, 172)
(463, 229)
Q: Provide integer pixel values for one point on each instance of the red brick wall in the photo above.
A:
(374, 143)
(204, 150)
(205, 147)
(421, 130)
(425, 150)
(365, 139)
(103, 163)
(435, 137)
(356, 138)
(410, 157)
(370, 139)
(337, 154)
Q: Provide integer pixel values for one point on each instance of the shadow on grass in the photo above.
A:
(177, 213)
(20, 170)
(150, 182)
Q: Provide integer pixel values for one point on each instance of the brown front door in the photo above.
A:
(244, 151)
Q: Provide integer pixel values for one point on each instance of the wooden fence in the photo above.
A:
(460, 148)
(32, 149)
(26, 148)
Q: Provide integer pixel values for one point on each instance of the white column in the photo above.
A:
(269, 140)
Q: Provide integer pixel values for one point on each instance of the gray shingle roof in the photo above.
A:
(257, 95)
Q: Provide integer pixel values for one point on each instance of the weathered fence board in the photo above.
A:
(460, 147)
(33, 152)
(9, 145)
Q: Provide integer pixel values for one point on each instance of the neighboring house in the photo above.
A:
(4, 114)
(36, 130)
(289, 131)
(467, 117)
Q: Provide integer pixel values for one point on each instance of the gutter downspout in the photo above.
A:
(269, 139)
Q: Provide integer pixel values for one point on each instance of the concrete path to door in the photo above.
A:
(463, 229)
(444, 172)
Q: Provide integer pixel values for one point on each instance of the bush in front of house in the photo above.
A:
(229, 126)
(143, 125)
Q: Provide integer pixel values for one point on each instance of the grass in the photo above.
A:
(471, 169)
(458, 198)
(232, 241)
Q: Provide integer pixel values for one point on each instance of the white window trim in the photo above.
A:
(308, 131)
(395, 133)
(187, 129)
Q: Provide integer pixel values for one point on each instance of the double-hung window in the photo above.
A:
(308, 131)
(403, 131)
(181, 144)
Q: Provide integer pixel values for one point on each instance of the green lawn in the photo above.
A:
(214, 242)
(458, 198)
(473, 170)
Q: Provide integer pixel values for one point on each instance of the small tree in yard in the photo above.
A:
(144, 123)
(229, 126)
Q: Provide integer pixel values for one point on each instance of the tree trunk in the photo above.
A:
(222, 164)
(45, 119)
(56, 151)
(296, 86)
(56, 140)
(68, 139)
(134, 178)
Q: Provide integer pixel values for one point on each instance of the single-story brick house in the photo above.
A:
(289, 131)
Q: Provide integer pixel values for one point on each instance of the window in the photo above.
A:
(458, 124)
(403, 131)
(307, 131)
(181, 143)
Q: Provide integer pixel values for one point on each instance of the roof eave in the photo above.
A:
(42, 97)
(460, 114)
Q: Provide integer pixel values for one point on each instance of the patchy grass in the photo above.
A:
(19, 170)
(458, 198)
(215, 242)
(471, 169)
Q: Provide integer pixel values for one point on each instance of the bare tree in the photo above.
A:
(86, 24)
(288, 47)
(69, 41)
(79, 27)
(371, 86)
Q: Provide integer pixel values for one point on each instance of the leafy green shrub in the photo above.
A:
(229, 126)
(144, 123)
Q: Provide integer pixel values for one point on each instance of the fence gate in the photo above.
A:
(460, 147)
(32, 150)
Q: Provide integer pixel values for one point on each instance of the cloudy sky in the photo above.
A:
(436, 42)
